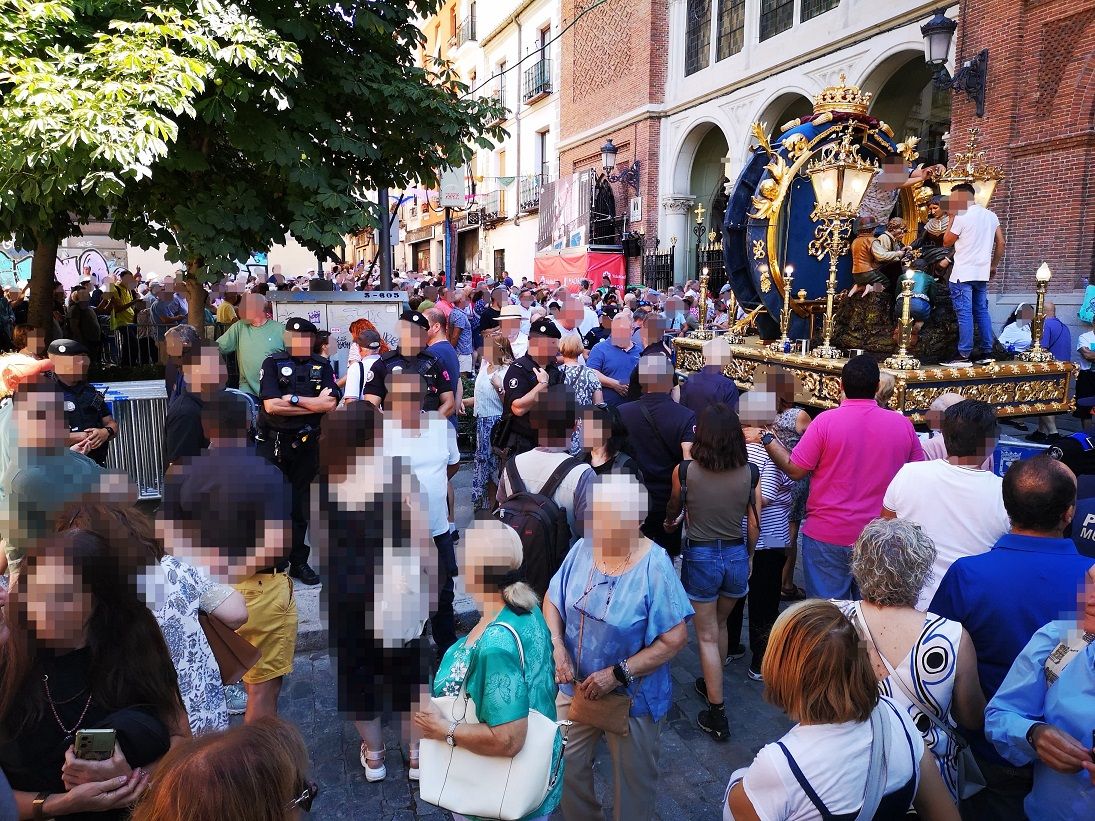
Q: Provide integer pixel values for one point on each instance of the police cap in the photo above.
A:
(545, 327)
(300, 326)
(415, 318)
(67, 347)
(610, 311)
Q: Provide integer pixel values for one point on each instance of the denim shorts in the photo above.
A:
(713, 569)
(919, 308)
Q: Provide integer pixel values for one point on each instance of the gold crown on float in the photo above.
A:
(843, 98)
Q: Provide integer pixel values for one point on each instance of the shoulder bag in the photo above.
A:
(235, 655)
(970, 778)
(610, 712)
(472, 784)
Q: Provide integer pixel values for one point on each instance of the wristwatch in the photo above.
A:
(767, 438)
(450, 737)
(39, 805)
(1031, 729)
(294, 400)
(618, 672)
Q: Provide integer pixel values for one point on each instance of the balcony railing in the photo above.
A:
(494, 207)
(529, 193)
(538, 81)
(466, 31)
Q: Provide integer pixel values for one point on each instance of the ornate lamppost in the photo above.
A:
(840, 177)
(1037, 353)
(783, 344)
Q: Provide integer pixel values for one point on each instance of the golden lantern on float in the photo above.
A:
(971, 166)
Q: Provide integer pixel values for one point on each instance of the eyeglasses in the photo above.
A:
(583, 604)
(305, 799)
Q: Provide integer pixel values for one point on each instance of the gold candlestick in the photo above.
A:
(1037, 353)
(831, 239)
(783, 344)
(732, 335)
(902, 360)
(703, 333)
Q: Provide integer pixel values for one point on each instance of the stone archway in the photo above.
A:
(785, 107)
(698, 178)
(907, 100)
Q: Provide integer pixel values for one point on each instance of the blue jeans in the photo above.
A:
(828, 570)
(971, 305)
(713, 569)
(919, 308)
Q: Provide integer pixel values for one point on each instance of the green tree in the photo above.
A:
(91, 96)
(267, 156)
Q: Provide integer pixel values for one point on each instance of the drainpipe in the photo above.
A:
(517, 127)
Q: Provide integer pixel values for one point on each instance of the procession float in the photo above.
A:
(788, 230)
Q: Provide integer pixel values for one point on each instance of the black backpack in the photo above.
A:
(540, 522)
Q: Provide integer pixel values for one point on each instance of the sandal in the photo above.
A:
(412, 765)
(373, 773)
(792, 593)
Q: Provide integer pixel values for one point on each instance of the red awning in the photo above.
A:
(571, 265)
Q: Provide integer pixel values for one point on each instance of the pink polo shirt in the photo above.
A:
(852, 452)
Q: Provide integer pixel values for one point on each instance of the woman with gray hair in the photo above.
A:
(924, 662)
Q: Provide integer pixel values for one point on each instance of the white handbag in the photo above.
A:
(489, 786)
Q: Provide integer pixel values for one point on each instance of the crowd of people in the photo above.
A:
(940, 658)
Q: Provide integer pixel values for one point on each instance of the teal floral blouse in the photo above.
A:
(497, 686)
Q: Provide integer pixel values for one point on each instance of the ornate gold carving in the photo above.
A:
(771, 188)
(796, 145)
(758, 249)
(765, 279)
(760, 132)
(843, 98)
(907, 149)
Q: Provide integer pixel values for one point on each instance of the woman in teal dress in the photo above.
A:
(489, 662)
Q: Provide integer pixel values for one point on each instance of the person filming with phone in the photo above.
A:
(89, 698)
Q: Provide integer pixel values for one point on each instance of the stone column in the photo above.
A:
(677, 208)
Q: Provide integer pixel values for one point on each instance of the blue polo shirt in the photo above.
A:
(614, 363)
(1004, 597)
(446, 353)
(706, 387)
(1057, 339)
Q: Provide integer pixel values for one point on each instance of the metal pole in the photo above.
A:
(385, 235)
(450, 251)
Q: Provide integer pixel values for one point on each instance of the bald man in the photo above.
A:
(1057, 339)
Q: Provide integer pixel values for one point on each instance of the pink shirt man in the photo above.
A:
(853, 452)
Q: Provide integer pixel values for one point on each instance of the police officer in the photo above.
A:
(523, 383)
(603, 330)
(411, 356)
(296, 388)
(86, 415)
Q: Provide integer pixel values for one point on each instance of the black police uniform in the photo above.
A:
(517, 432)
(85, 408)
(659, 348)
(292, 442)
(427, 365)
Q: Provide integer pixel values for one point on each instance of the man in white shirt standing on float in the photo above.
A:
(978, 243)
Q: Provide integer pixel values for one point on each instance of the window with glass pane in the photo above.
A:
(812, 8)
(731, 27)
(776, 16)
(697, 42)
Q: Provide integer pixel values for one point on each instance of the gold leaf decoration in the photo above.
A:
(760, 132)
(759, 250)
(907, 149)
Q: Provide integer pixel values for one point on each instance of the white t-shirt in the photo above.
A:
(961, 509)
(834, 760)
(526, 317)
(589, 320)
(429, 451)
(519, 346)
(355, 384)
(1087, 342)
(976, 232)
(1017, 336)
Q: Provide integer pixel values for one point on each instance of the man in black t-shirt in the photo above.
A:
(204, 375)
(660, 434)
(652, 335)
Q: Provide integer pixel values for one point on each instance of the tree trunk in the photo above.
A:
(43, 268)
(195, 294)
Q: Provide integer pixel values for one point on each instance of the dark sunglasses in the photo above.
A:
(308, 794)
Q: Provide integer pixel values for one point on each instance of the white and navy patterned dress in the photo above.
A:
(199, 675)
(928, 671)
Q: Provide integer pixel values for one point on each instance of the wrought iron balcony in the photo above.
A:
(466, 31)
(538, 81)
(529, 193)
(494, 207)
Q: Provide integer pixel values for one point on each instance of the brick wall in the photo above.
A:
(614, 61)
(1039, 126)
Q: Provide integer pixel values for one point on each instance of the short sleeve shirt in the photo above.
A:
(658, 450)
(976, 232)
(520, 378)
(615, 363)
(433, 372)
(282, 374)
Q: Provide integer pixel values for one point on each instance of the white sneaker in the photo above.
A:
(413, 772)
(372, 773)
(957, 363)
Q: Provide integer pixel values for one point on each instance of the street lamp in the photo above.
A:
(971, 166)
(840, 177)
(1037, 353)
(971, 77)
(629, 176)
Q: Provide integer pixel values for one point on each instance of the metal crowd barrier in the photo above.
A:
(139, 409)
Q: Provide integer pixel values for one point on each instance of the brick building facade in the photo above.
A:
(613, 86)
(1039, 126)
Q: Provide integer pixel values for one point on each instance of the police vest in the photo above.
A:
(425, 364)
(83, 407)
(300, 378)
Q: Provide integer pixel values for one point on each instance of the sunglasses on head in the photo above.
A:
(309, 791)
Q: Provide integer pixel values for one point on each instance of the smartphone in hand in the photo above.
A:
(95, 745)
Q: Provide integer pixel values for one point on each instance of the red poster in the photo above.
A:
(575, 264)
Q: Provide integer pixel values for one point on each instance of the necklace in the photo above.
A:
(616, 570)
(53, 707)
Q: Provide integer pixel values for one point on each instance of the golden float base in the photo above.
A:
(1014, 388)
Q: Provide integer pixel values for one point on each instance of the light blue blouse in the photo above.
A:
(625, 613)
(1025, 698)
